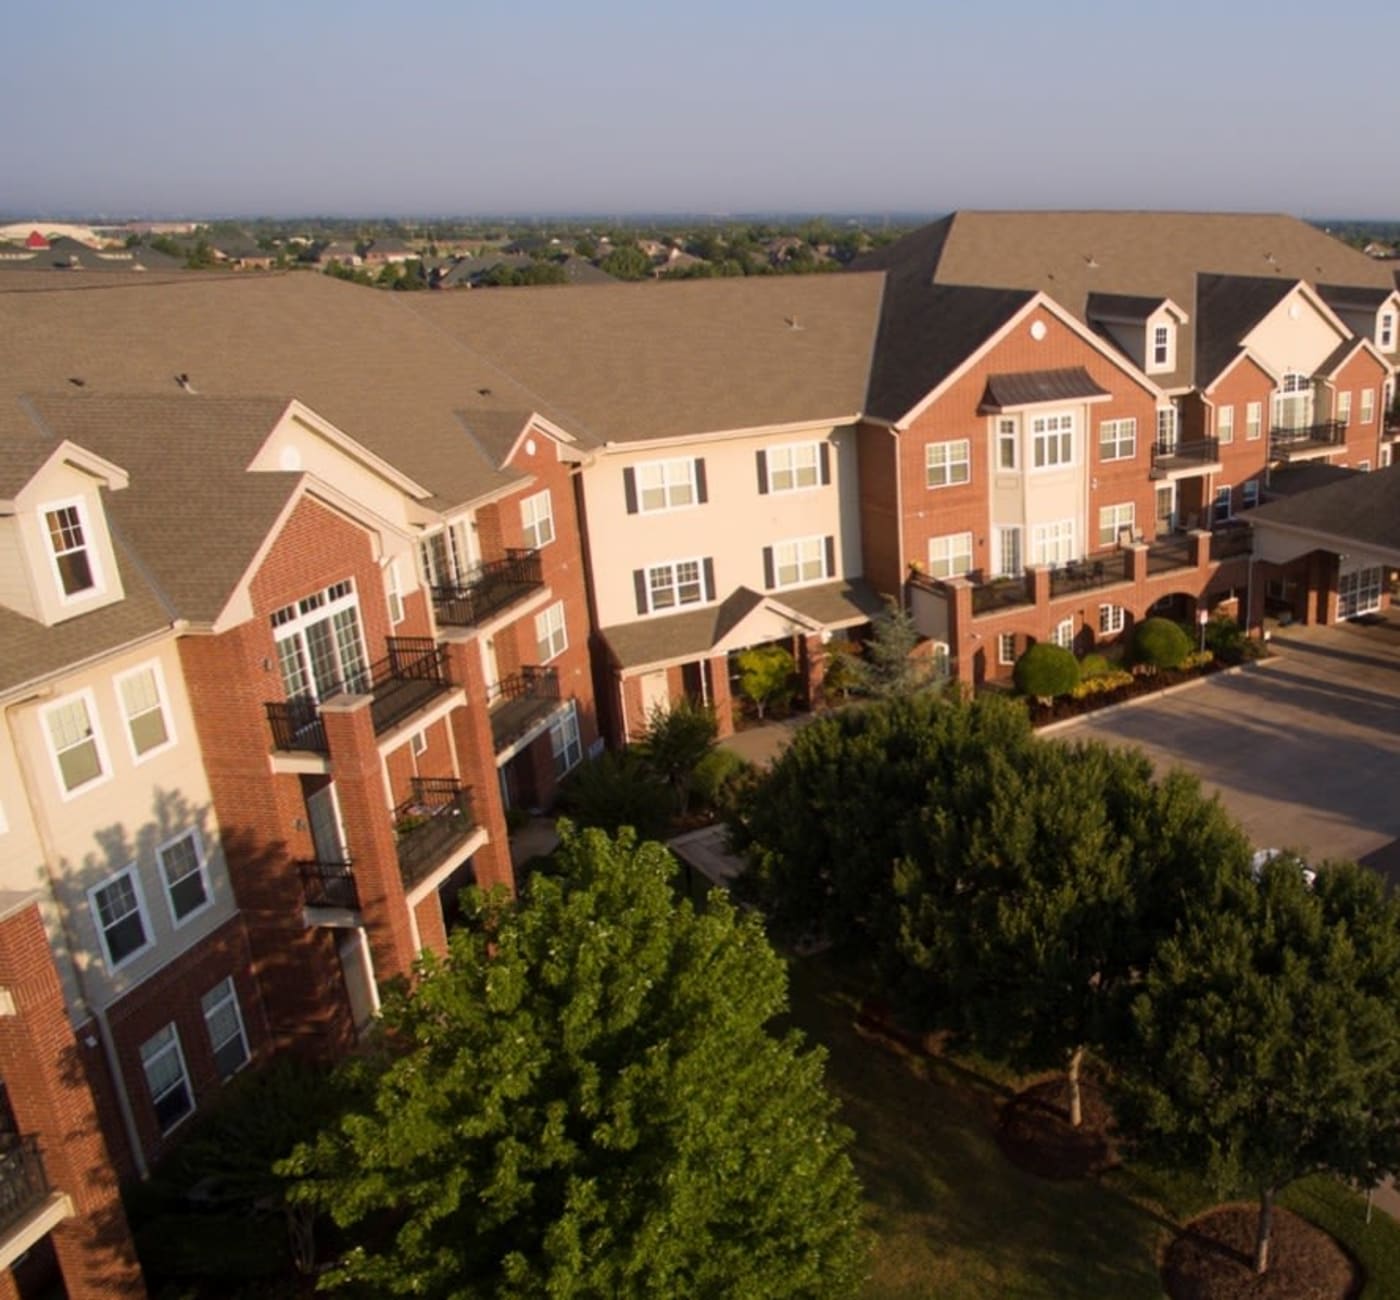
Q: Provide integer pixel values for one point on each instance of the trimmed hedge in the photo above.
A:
(1160, 643)
(1045, 671)
(1094, 665)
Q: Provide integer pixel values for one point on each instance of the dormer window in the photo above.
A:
(1161, 347)
(1386, 331)
(71, 548)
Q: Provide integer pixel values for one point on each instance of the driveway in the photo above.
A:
(1304, 749)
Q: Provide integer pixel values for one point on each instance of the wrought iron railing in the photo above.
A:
(1001, 593)
(296, 724)
(436, 816)
(23, 1182)
(519, 701)
(496, 585)
(1085, 575)
(1226, 543)
(1329, 433)
(1174, 554)
(329, 884)
(1197, 450)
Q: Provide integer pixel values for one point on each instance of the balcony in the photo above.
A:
(1230, 541)
(520, 701)
(1174, 458)
(329, 884)
(24, 1186)
(1307, 439)
(1086, 575)
(410, 676)
(496, 586)
(1174, 553)
(1001, 593)
(429, 824)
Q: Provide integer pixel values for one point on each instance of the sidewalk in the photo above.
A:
(762, 744)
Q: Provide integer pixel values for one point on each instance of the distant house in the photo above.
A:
(65, 254)
(36, 240)
(339, 250)
(383, 252)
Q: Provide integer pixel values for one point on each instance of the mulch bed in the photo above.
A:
(1035, 1134)
(1147, 684)
(1213, 1260)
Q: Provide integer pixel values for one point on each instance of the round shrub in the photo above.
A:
(1094, 666)
(1160, 643)
(1045, 671)
(716, 775)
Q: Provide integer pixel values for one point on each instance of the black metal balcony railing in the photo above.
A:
(519, 701)
(1085, 575)
(329, 884)
(1329, 433)
(23, 1182)
(1164, 556)
(494, 587)
(1001, 593)
(1172, 453)
(436, 817)
(412, 673)
(1228, 542)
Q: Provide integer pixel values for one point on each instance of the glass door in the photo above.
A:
(1009, 553)
(1166, 508)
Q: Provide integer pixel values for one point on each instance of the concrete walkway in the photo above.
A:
(762, 744)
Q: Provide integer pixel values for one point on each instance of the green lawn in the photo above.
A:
(952, 1218)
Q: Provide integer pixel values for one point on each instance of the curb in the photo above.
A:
(1065, 724)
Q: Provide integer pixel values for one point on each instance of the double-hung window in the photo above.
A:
(1253, 421)
(1064, 634)
(1166, 430)
(1344, 407)
(665, 484)
(120, 914)
(551, 635)
(1110, 619)
(948, 463)
(224, 1020)
(79, 755)
(143, 706)
(678, 583)
(1249, 493)
(537, 520)
(1387, 331)
(1118, 439)
(71, 549)
(186, 884)
(393, 593)
(1008, 442)
(1052, 440)
(798, 561)
(950, 556)
(1161, 347)
(1054, 543)
(1112, 519)
(1222, 506)
(794, 467)
(1368, 405)
(166, 1077)
(1006, 648)
(1225, 424)
(564, 742)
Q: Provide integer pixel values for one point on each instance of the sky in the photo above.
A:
(613, 107)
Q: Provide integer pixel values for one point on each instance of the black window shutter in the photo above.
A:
(767, 563)
(763, 474)
(702, 491)
(830, 557)
(629, 489)
(709, 578)
(639, 582)
(825, 454)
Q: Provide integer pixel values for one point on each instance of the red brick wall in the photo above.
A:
(1241, 459)
(1363, 441)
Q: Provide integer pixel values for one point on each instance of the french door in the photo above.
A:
(320, 646)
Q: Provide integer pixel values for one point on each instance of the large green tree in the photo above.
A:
(585, 1099)
(1266, 1039)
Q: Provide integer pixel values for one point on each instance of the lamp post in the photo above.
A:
(1202, 618)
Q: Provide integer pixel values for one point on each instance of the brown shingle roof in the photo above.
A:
(1363, 508)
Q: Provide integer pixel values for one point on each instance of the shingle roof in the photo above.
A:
(627, 362)
(1363, 508)
(1121, 306)
(1227, 308)
(1292, 479)
(1031, 386)
(1368, 297)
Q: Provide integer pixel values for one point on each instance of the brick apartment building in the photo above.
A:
(304, 585)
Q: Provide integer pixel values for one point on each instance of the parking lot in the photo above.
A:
(1304, 749)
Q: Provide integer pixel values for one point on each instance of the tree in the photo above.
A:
(1266, 1038)
(766, 675)
(627, 262)
(889, 668)
(676, 740)
(618, 788)
(583, 1098)
(1045, 671)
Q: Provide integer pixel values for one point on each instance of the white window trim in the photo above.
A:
(1061, 529)
(1368, 405)
(1224, 426)
(799, 542)
(1384, 320)
(1168, 363)
(559, 727)
(214, 1047)
(170, 738)
(673, 565)
(1227, 499)
(141, 910)
(1002, 658)
(1011, 435)
(202, 869)
(184, 1075)
(1249, 494)
(1058, 466)
(948, 463)
(1253, 421)
(1111, 620)
(794, 448)
(532, 501)
(1118, 523)
(103, 757)
(99, 574)
(563, 628)
(418, 743)
(666, 485)
(393, 592)
(1344, 406)
(1118, 439)
(950, 553)
(1064, 633)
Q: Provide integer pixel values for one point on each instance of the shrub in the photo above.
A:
(616, 790)
(1094, 665)
(1102, 683)
(1198, 659)
(1160, 643)
(1045, 671)
(1227, 641)
(717, 777)
(767, 677)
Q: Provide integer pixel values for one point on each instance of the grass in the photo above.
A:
(950, 1217)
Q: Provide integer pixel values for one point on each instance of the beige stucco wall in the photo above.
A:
(66, 845)
(1293, 337)
(1027, 497)
(732, 528)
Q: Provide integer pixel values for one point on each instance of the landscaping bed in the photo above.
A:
(1068, 706)
(1035, 1134)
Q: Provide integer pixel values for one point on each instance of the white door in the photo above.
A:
(1166, 508)
(655, 694)
(1359, 592)
(357, 970)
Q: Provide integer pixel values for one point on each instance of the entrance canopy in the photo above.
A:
(1357, 517)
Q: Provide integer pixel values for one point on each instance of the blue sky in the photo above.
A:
(482, 106)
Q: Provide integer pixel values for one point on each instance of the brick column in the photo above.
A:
(358, 772)
(476, 758)
(961, 646)
(1039, 578)
(49, 1096)
(1137, 565)
(814, 669)
(721, 699)
(1199, 541)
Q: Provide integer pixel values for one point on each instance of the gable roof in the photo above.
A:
(1363, 508)
(1227, 308)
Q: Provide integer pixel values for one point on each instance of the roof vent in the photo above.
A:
(483, 392)
(791, 322)
(184, 381)
(1091, 261)
(76, 382)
